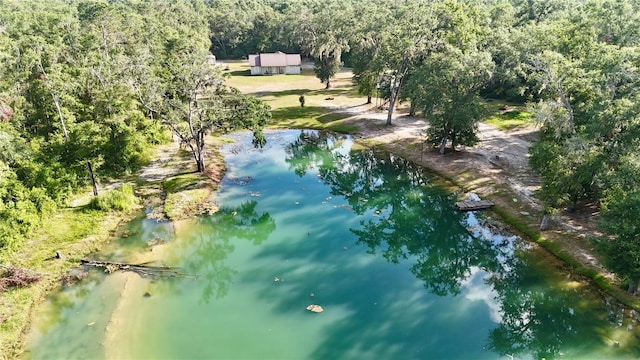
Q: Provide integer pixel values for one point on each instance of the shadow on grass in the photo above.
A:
(319, 113)
(248, 73)
(346, 91)
(240, 73)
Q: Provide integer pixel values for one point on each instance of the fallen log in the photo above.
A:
(469, 205)
(141, 269)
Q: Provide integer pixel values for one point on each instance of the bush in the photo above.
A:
(121, 199)
(21, 209)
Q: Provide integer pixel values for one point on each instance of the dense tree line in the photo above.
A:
(96, 80)
(99, 82)
(575, 62)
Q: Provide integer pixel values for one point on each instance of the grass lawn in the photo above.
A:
(324, 108)
(508, 116)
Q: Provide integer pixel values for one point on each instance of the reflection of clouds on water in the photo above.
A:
(475, 288)
(408, 305)
(399, 271)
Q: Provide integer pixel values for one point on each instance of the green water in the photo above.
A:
(308, 220)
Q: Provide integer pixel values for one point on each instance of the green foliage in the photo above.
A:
(620, 213)
(570, 171)
(21, 209)
(326, 67)
(197, 102)
(239, 28)
(323, 30)
(364, 75)
(120, 199)
(446, 88)
(620, 208)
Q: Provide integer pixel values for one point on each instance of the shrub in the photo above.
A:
(121, 199)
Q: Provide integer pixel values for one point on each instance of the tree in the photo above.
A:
(362, 61)
(620, 208)
(446, 88)
(588, 119)
(410, 33)
(198, 103)
(239, 27)
(323, 30)
(367, 82)
(416, 30)
(537, 11)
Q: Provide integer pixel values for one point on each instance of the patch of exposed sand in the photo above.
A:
(499, 161)
(118, 333)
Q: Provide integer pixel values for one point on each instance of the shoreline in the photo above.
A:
(497, 171)
(451, 168)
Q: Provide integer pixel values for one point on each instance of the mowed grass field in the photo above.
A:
(330, 108)
(323, 109)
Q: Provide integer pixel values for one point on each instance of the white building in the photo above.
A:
(274, 63)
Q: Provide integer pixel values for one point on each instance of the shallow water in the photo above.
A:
(399, 273)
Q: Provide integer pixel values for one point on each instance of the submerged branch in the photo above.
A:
(141, 269)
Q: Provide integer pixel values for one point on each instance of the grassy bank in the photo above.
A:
(75, 233)
(83, 228)
(191, 193)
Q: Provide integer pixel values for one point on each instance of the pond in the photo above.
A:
(312, 219)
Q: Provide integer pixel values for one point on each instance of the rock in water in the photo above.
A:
(315, 308)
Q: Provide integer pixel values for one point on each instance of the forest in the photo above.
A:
(102, 82)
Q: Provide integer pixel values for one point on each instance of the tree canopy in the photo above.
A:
(99, 81)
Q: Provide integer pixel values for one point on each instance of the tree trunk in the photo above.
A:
(633, 286)
(56, 102)
(392, 104)
(93, 179)
(328, 86)
(200, 163)
(200, 157)
(368, 99)
(443, 144)
(544, 224)
(141, 269)
(64, 128)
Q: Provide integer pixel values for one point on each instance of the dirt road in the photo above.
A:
(496, 168)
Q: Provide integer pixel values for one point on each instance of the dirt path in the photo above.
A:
(168, 162)
(496, 168)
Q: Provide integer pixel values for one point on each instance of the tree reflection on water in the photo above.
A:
(412, 217)
(414, 220)
(204, 252)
